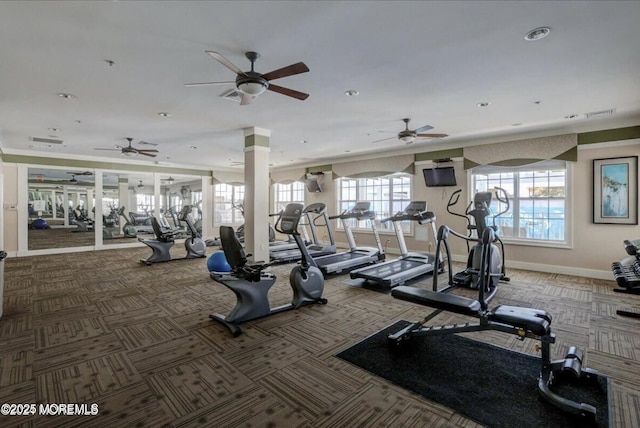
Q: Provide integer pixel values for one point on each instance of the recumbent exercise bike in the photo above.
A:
(523, 322)
(251, 284)
(165, 238)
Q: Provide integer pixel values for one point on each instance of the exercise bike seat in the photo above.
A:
(162, 235)
(237, 258)
(534, 320)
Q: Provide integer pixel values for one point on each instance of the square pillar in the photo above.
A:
(256, 193)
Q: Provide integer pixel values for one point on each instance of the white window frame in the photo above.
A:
(393, 205)
(237, 195)
(284, 194)
(568, 206)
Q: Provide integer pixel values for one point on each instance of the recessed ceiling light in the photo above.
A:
(54, 129)
(66, 96)
(164, 114)
(351, 93)
(537, 34)
(483, 104)
(304, 141)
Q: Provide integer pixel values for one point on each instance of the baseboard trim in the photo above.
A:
(536, 267)
(539, 267)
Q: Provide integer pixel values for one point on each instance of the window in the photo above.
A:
(538, 196)
(228, 201)
(145, 204)
(288, 193)
(387, 195)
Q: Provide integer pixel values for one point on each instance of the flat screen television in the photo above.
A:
(438, 177)
(313, 185)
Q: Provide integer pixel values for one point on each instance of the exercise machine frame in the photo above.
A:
(520, 321)
(409, 265)
(251, 284)
(165, 238)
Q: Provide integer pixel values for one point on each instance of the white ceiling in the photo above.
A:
(429, 61)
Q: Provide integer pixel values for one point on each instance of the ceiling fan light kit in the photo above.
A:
(251, 87)
(251, 83)
(131, 151)
(408, 136)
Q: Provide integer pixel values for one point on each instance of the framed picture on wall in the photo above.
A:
(615, 190)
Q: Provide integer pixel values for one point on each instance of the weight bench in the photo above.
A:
(522, 322)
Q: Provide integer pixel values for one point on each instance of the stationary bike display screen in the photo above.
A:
(290, 218)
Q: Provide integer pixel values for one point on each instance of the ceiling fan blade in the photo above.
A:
(432, 135)
(222, 60)
(424, 128)
(290, 70)
(209, 83)
(384, 139)
(151, 155)
(146, 151)
(246, 99)
(288, 92)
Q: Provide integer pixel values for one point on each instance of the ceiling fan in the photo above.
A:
(408, 136)
(251, 83)
(131, 151)
(73, 179)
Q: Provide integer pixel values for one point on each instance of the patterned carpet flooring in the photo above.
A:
(100, 327)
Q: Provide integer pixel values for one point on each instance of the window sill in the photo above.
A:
(532, 243)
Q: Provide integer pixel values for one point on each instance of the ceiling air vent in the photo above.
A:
(232, 95)
(45, 140)
(600, 114)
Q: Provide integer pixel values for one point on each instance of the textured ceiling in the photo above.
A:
(429, 61)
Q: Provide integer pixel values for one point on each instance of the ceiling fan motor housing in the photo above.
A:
(251, 83)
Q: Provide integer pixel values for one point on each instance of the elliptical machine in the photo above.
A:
(480, 209)
(251, 283)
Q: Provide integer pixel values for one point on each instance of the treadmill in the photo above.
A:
(315, 248)
(356, 256)
(409, 265)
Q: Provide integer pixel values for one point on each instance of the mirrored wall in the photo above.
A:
(62, 206)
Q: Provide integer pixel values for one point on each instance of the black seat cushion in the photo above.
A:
(233, 250)
(535, 320)
(444, 301)
(164, 236)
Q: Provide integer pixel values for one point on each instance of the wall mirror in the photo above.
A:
(61, 208)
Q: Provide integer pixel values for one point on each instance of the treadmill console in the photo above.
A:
(416, 208)
(289, 219)
(361, 206)
(316, 208)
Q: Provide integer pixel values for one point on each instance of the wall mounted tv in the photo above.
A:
(438, 177)
(313, 185)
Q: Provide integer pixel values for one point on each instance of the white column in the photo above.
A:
(256, 193)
